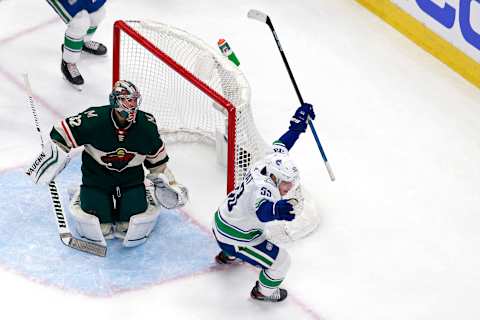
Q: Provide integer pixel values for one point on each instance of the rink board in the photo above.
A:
(443, 43)
(30, 245)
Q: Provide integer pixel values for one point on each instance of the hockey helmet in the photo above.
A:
(126, 99)
(282, 168)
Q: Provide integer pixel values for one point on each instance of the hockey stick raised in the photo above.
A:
(262, 17)
(64, 232)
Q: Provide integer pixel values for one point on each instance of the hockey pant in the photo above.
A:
(116, 205)
(273, 260)
(82, 19)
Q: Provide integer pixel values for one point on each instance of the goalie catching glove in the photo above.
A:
(48, 164)
(168, 193)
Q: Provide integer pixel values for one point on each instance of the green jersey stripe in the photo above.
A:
(235, 233)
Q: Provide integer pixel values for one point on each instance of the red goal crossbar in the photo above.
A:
(121, 26)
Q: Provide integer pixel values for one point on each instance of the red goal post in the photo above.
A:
(155, 56)
(198, 95)
(122, 26)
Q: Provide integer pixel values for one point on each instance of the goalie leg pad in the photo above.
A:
(140, 227)
(87, 225)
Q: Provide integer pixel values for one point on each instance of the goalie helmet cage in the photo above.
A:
(180, 79)
(198, 95)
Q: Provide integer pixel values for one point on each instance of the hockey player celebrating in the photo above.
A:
(119, 142)
(82, 18)
(239, 221)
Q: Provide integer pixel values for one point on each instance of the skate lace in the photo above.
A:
(92, 45)
(274, 296)
(73, 70)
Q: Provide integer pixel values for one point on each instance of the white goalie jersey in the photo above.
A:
(236, 221)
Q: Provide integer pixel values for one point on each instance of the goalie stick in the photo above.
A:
(262, 17)
(65, 235)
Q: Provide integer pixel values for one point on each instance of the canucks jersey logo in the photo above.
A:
(118, 160)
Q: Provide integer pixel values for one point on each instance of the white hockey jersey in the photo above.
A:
(236, 221)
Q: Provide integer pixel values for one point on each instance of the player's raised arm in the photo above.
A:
(298, 125)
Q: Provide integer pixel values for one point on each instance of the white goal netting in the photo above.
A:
(197, 95)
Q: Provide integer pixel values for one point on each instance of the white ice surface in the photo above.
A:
(399, 237)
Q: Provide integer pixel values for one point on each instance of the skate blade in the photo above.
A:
(88, 54)
(77, 87)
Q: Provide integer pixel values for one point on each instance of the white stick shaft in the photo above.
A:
(31, 103)
(63, 229)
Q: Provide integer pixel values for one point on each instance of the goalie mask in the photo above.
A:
(284, 171)
(126, 99)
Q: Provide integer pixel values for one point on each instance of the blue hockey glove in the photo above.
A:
(283, 210)
(299, 119)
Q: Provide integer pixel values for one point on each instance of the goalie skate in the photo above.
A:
(72, 75)
(279, 294)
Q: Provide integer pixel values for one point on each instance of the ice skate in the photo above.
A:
(72, 75)
(95, 48)
(107, 230)
(120, 230)
(277, 296)
(222, 258)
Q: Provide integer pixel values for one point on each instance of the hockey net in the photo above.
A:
(198, 95)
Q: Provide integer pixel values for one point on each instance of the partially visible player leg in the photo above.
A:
(227, 255)
(267, 287)
(274, 262)
(77, 25)
(94, 47)
(72, 47)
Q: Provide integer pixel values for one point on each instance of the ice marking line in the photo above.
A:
(37, 98)
(28, 31)
(113, 289)
(305, 308)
